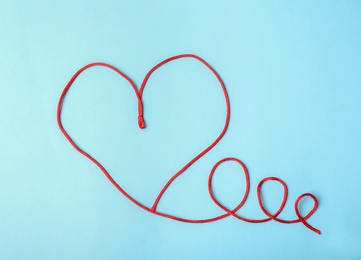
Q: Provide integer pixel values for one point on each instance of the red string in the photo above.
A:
(141, 124)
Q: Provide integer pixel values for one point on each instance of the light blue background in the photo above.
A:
(293, 73)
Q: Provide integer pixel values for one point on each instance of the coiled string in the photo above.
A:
(142, 125)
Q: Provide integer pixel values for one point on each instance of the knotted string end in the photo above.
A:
(141, 122)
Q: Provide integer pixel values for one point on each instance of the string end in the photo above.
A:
(141, 122)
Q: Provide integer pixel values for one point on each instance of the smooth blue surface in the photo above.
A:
(293, 73)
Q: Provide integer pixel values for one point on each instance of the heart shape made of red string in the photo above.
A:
(141, 123)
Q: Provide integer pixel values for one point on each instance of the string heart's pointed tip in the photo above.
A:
(141, 122)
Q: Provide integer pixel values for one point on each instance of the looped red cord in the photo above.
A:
(142, 125)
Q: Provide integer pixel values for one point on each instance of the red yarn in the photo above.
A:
(141, 124)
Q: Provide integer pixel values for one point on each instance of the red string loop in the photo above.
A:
(269, 215)
(142, 125)
(259, 196)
